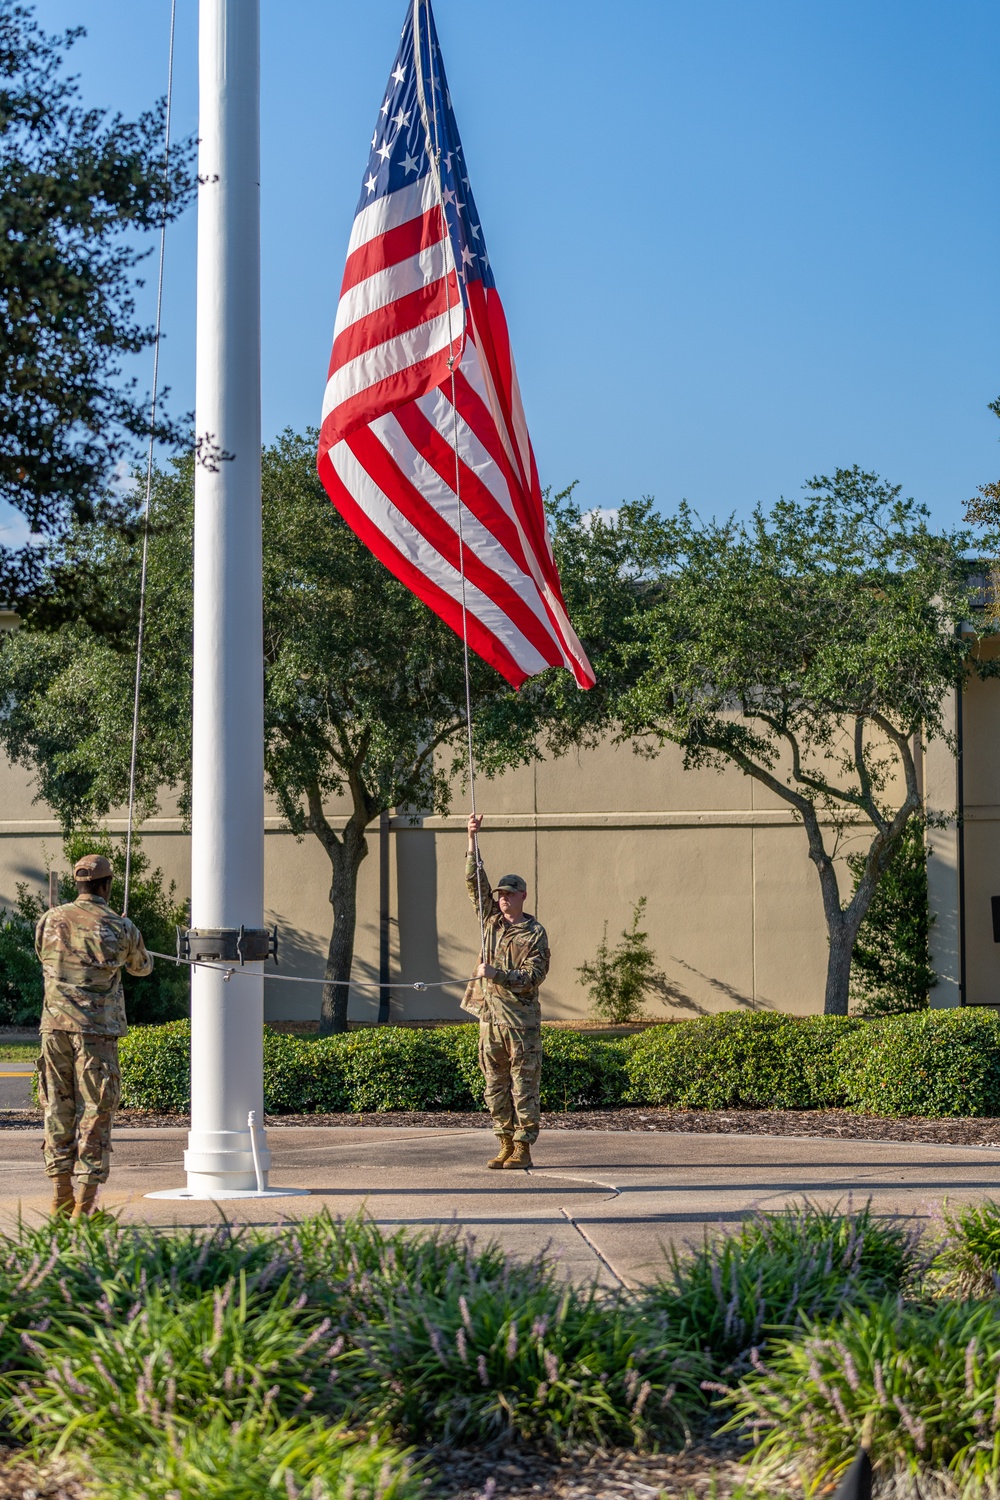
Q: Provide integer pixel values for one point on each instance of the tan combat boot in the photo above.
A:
(519, 1158)
(504, 1150)
(84, 1205)
(62, 1194)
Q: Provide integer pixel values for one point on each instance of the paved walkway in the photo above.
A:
(605, 1203)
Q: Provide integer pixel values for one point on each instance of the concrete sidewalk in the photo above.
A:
(605, 1203)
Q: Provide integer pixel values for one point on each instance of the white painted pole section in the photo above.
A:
(227, 845)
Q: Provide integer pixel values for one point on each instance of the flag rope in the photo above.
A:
(359, 984)
(141, 634)
(434, 156)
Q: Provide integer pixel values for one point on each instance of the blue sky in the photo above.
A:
(739, 242)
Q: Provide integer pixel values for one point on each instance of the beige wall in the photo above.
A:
(734, 909)
(733, 902)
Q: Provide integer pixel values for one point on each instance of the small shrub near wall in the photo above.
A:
(935, 1063)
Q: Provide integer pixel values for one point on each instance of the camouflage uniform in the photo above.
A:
(510, 1017)
(83, 947)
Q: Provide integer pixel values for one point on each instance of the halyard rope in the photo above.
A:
(140, 640)
(358, 984)
(434, 157)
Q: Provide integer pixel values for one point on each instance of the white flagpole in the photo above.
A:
(227, 1152)
(227, 842)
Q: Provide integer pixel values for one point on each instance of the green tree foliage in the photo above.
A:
(891, 971)
(75, 187)
(153, 907)
(364, 688)
(619, 979)
(807, 646)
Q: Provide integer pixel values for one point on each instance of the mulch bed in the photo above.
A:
(836, 1123)
(22, 1479)
(707, 1470)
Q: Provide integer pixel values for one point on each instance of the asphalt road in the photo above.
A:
(15, 1085)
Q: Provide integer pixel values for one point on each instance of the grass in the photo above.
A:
(917, 1384)
(304, 1361)
(19, 1052)
(967, 1263)
(735, 1290)
(254, 1461)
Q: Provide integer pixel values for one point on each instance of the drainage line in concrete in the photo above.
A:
(589, 1242)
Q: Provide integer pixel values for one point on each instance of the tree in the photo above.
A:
(808, 646)
(75, 188)
(364, 686)
(891, 971)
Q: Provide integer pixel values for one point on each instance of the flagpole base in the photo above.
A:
(218, 1195)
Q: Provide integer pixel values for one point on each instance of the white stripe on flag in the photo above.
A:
(390, 358)
(394, 209)
(376, 291)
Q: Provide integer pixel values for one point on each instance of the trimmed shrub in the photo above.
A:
(937, 1062)
(303, 1077)
(739, 1060)
(932, 1063)
(155, 1066)
(372, 1071)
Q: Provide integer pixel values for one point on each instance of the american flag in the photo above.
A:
(424, 448)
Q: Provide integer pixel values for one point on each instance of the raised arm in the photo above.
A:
(475, 876)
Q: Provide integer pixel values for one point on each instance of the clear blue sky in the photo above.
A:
(738, 241)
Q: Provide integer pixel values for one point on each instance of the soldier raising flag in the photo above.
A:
(504, 996)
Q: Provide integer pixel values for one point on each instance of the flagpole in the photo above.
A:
(227, 1151)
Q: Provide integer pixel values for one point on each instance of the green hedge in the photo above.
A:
(944, 1062)
(937, 1062)
(740, 1060)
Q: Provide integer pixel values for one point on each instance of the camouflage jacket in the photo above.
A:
(519, 951)
(83, 947)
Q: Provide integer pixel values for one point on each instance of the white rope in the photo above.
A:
(434, 157)
(228, 970)
(140, 640)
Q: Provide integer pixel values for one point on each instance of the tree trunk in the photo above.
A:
(346, 855)
(838, 969)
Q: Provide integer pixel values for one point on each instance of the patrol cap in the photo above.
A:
(511, 883)
(92, 867)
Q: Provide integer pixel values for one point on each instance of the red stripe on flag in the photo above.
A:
(481, 640)
(394, 245)
(439, 453)
(382, 397)
(400, 316)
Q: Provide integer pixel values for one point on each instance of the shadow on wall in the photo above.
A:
(34, 875)
(679, 997)
(299, 953)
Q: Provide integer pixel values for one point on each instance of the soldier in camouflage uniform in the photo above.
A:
(504, 996)
(83, 947)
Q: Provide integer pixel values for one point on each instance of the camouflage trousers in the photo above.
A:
(511, 1062)
(79, 1087)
